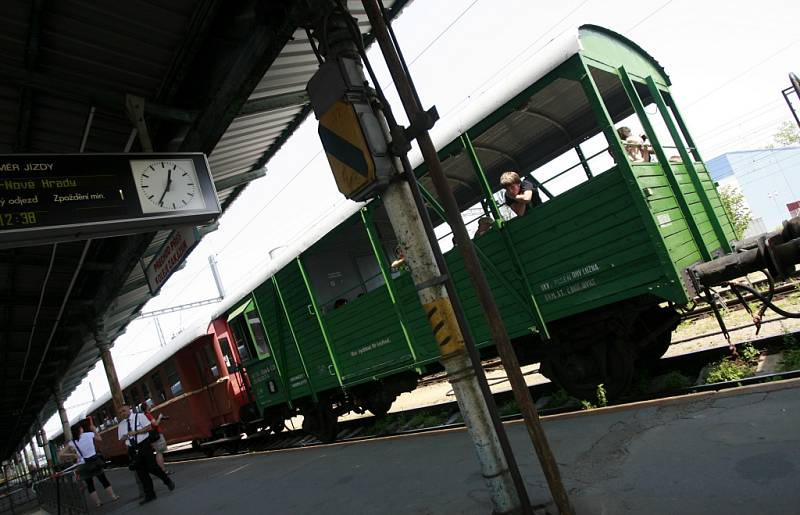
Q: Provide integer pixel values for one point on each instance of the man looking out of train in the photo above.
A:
(134, 429)
(520, 194)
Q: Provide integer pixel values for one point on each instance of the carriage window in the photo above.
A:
(242, 337)
(227, 354)
(136, 399)
(258, 333)
(146, 395)
(173, 379)
(161, 394)
(211, 361)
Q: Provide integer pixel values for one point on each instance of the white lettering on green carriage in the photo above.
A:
(568, 277)
(297, 380)
(370, 347)
(569, 290)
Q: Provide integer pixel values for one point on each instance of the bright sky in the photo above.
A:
(728, 62)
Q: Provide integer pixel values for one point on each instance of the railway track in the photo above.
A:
(360, 429)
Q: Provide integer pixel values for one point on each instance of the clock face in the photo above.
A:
(167, 185)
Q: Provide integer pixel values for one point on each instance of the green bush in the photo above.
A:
(749, 353)
(676, 381)
(729, 369)
(790, 360)
(508, 408)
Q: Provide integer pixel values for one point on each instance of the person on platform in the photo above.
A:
(160, 443)
(134, 429)
(520, 194)
(90, 463)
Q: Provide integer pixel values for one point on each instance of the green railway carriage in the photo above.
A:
(586, 282)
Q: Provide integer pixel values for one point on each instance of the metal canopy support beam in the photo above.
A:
(114, 101)
(239, 179)
(22, 143)
(266, 104)
(253, 57)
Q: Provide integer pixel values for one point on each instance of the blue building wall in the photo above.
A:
(768, 178)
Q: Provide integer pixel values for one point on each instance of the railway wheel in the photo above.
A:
(657, 348)
(320, 421)
(580, 373)
(380, 403)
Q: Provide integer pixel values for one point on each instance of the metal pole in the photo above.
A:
(212, 262)
(499, 334)
(785, 94)
(437, 303)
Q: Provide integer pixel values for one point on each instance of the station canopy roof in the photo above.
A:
(224, 78)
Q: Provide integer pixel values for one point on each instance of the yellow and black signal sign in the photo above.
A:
(346, 146)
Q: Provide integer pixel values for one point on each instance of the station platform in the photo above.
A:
(735, 451)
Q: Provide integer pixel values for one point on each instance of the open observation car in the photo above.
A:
(597, 266)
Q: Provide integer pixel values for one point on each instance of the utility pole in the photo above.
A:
(347, 109)
(409, 98)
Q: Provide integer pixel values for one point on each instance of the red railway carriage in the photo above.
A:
(196, 382)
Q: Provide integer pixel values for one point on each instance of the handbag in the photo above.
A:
(91, 466)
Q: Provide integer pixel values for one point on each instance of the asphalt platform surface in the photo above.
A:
(720, 453)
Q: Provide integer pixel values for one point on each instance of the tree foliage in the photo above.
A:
(788, 134)
(737, 209)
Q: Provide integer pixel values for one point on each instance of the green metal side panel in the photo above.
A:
(510, 295)
(671, 223)
(285, 353)
(716, 201)
(421, 336)
(261, 372)
(367, 338)
(306, 328)
(650, 177)
(588, 248)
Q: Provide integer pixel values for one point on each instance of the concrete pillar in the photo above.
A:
(62, 414)
(103, 343)
(24, 452)
(427, 276)
(34, 456)
(45, 444)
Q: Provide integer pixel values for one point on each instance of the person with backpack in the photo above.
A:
(90, 462)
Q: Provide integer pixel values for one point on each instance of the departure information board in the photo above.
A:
(47, 198)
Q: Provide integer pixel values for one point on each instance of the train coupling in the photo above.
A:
(777, 252)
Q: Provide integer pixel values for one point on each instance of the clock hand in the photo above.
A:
(169, 181)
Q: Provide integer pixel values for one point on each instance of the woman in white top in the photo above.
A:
(90, 464)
